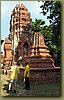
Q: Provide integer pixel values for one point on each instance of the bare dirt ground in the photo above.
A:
(41, 90)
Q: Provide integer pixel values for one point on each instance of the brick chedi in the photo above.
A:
(20, 24)
(22, 45)
(39, 53)
(39, 56)
(20, 32)
(7, 52)
(42, 68)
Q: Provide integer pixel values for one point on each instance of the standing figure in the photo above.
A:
(26, 76)
(13, 77)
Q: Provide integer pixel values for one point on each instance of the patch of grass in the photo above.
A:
(50, 89)
(43, 90)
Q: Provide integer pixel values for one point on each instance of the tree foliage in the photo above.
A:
(37, 25)
(53, 8)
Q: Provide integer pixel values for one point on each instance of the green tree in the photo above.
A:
(53, 8)
(36, 26)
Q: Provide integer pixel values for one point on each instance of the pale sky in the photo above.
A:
(6, 10)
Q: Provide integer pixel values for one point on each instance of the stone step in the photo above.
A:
(40, 65)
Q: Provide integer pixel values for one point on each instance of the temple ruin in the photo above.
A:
(22, 45)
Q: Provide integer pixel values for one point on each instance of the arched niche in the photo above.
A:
(25, 48)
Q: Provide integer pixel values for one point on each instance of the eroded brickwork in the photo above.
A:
(7, 52)
(23, 45)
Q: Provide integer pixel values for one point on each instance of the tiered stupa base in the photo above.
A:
(37, 62)
(39, 72)
(42, 68)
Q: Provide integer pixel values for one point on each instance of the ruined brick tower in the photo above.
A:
(20, 31)
(22, 45)
(7, 52)
(39, 54)
(20, 27)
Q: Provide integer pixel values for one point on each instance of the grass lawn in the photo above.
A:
(43, 90)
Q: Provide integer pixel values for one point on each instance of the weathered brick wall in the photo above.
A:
(43, 76)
